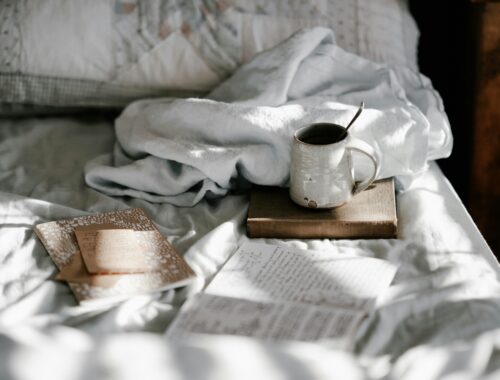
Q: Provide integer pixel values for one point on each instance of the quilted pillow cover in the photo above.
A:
(58, 55)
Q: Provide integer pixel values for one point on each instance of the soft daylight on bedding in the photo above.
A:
(180, 196)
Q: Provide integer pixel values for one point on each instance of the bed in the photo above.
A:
(66, 151)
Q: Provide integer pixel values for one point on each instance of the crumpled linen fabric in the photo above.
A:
(182, 150)
(439, 319)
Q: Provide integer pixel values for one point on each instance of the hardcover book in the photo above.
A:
(369, 214)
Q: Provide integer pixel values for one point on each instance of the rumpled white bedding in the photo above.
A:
(181, 150)
(440, 318)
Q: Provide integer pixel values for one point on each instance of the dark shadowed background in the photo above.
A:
(459, 50)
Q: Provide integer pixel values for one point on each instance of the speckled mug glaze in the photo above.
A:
(321, 172)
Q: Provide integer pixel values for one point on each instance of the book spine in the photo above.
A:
(320, 230)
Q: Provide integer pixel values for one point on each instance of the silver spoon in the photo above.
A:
(360, 109)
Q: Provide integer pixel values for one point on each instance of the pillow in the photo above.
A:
(58, 54)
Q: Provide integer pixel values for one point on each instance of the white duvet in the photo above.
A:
(439, 319)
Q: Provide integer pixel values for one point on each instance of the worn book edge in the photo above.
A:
(111, 299)
(324, 226)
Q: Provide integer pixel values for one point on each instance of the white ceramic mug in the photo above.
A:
(321, 173)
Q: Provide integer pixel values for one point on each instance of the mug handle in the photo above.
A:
(362, 147)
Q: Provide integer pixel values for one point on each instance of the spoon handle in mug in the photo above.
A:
(360, 109)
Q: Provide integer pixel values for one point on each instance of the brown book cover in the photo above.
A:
(369, 214)
(166, 269)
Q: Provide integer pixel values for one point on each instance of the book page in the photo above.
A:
(112, 250)
(270, 273)
(211, 314)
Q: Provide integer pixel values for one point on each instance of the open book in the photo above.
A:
(276, 292)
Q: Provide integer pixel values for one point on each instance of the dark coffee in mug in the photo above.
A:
(322, 134)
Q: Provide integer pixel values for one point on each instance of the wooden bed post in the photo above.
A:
(484, 202)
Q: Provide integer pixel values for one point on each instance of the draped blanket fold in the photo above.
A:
(182, 150)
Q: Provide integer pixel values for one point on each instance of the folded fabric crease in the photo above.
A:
(243, 129)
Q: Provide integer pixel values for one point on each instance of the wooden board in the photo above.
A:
(370, 214)
(484, 201)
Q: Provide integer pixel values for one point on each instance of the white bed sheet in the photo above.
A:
(440, 317)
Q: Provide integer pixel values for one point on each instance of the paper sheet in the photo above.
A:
(112, 250)
(211, 314)
(279, 293)
(263, 272)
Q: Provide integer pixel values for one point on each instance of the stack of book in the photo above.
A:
(111, 256)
